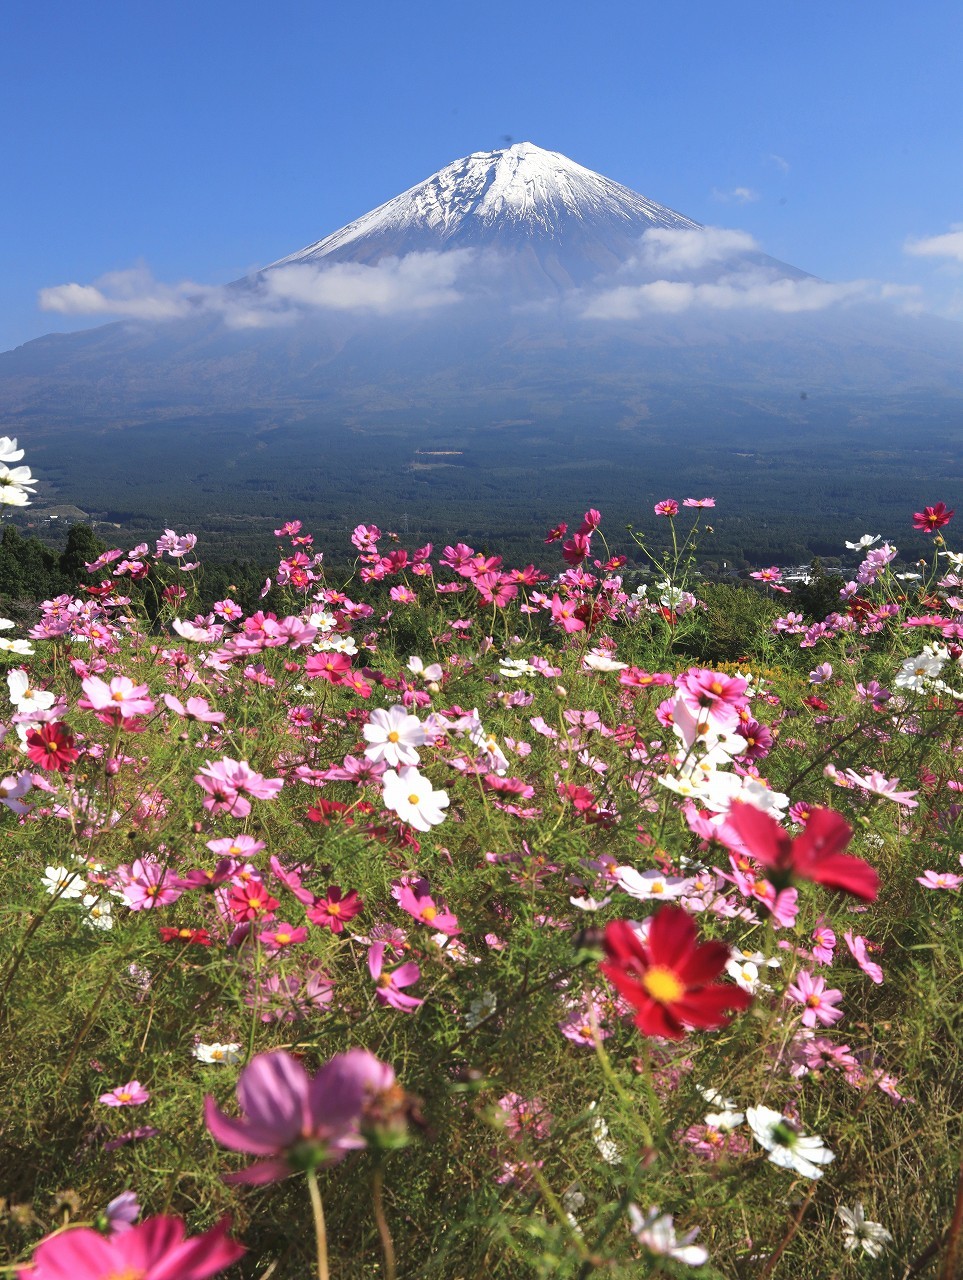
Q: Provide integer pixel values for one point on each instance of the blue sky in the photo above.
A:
(206, 139)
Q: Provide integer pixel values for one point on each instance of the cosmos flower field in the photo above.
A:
(449, 920)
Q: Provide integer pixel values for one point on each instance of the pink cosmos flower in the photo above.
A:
(667, 507)
(119, 699)
(824, 941)
(818, 1003)
(230, 782)
(294, 1121)
(563, 612)
(148, 884)
(859, 947)
(881, 786)
(390, 984)
(155, 1250)
(413, 896)
(699, 502)
(195, 709)
(281, 936)
(939, 880)
(132, 1094)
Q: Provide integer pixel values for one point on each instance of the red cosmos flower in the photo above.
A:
(556, 534)
(336, 909)
(197, 937)
(669, 978)
(252, 902)
(52, 746)
(816, 854)
(932, 518)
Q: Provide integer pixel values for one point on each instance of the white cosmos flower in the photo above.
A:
(512, 668)
(867, 540)
(411, 796)
(209, 1054)
(916, 673)
(602, 662)
(857, 1230)
(656, 1231)
(23, 647)
(610, 1151)
(23, 696)
(646, 885)
(787, 1146)
(480, 1009)
(8, 450)
(69, 884)
(392, 736)
(98, 912)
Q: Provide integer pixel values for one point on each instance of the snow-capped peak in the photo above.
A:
(521, 191)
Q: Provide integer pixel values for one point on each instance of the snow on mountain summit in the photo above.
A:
(518, 195)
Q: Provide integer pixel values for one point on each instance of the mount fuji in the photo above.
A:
(515, 323)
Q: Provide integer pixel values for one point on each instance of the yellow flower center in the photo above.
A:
(429, 913)
(129, 1273)
(413, 798)
(282, 938)
(117, 696)
(394, 736)
(662, 984)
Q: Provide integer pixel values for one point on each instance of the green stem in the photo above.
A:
(320, 1232)
(377, 1200)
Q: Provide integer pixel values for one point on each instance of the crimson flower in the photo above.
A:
(196, 937)
(335, 909)
(153, 1250)
(669, 978)
(932, 518)
(52, 747)
(816, 854)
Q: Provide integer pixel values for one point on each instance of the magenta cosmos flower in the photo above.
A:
(154, 1250)
(294, 1121)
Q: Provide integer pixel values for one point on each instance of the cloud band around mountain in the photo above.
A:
(674, 270)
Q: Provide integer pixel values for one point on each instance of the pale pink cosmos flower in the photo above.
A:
(699, 502)
(940, 880)
(229, 783)
(194, 709)
(859, 947)
(875, 782)
(132, 1094)
(120, 698)
(819, 1005)
(390, 984)
(295, 1121)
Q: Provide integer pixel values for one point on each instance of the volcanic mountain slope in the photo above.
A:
(514, 295)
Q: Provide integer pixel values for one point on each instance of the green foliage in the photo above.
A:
(86, 1009)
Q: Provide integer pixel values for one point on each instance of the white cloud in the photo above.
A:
(947, 245)
(781, 163)
(681, 249)
(415, 282)
(122, 293)
(738, 195)
(741, 291)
